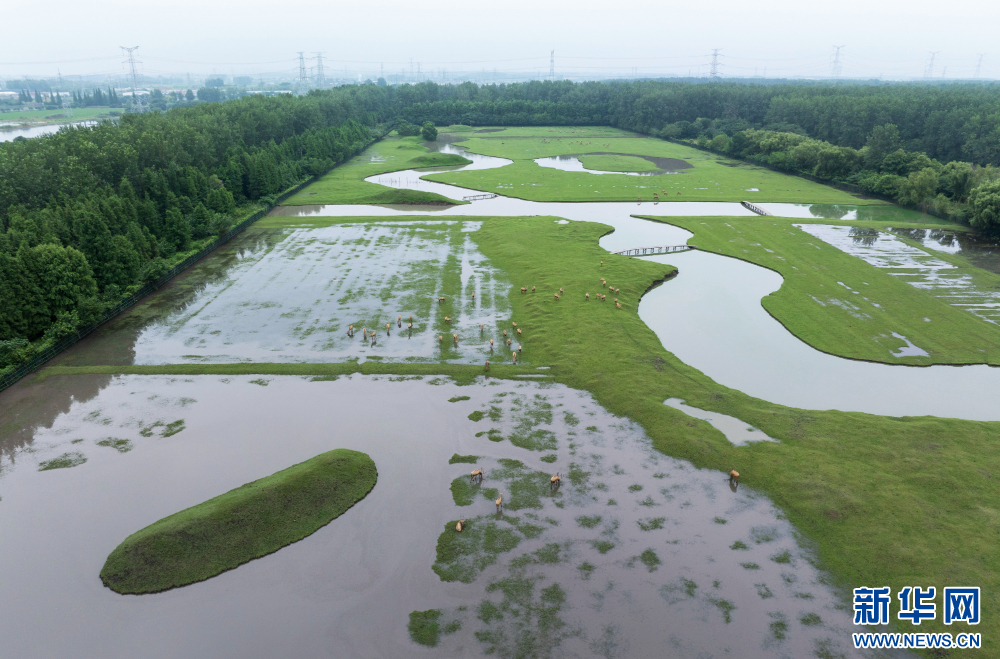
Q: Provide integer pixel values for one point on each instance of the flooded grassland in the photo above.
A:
(636, 551)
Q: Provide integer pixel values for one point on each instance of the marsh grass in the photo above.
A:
(64, 461)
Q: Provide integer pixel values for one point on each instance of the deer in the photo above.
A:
(555, 481)
(524, 289)
(441, 299)
(409, 326)
(440, 338)
(588, 295)
(561, 291)
(557, 295)
(491, 344)
(486, 368)
(476, 475)
(399, 321)
(618, 304)
(499, 503)
(350, 331)
(602, 263)
(411, 317)
(455, 336)
(460, 526)
(508, 343)
(519, 347)
(513, 357)
(734, 477)
(447, 319)
(532, 289)
(505, 333)
(480, 328)
(519, 331)
(387, 329)
(513, 324)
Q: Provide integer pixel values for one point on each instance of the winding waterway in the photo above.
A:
(710, 315)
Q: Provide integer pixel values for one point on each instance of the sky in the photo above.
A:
(891, 39)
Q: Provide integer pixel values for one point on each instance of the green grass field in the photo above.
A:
(42, 117)
(712, 177)
(617, 163)
(346, 185)
(253, 520)
(816, 302)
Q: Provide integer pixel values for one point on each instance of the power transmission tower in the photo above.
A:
(552, 65)
(835, 68)
(929, 71)
(320, 79)
(714, 73)
(135, 105)
(979, 64)
(302, 67)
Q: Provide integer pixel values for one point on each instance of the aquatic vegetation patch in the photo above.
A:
(588, 522)
(118, 444)
(783, 557)
(456, 399)
(725, 606)
(523, 623)
(462, 556)
(463, 490)
(463, 459)
(477, 415)
(248, 522)
(652, 523)
(650, 559)
(550, 458)
(425, 627)
(739, 545)
(811, 620)
(64, 461)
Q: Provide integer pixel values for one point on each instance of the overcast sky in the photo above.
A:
(785, 38)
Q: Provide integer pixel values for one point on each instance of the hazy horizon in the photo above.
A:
(892, 40)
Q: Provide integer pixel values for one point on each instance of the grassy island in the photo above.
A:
(253, 520)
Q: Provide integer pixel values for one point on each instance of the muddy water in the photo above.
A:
(917, 267)
(711, 318)
(9, 135)
(686, 561)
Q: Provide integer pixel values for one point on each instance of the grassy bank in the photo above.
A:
(617, 163)
(712, 178)
(346, 184)
(884, 500)
(817, 302)
(251, 521)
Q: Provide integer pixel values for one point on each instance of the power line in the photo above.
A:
(715, 64)
(979, 64)
(302, 66)
(320, 79)
(552, 65)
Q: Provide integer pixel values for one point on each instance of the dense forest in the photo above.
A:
(88, 214)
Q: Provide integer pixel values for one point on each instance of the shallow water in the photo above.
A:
(9, 135)
(573, 164)
(917, 267)
(292, 300)
(352, 584)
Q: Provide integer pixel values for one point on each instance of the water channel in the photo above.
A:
(710, 315)
(9, 135)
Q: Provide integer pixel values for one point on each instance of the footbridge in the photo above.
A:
(754, 208)
(477, 197)
(649, 251)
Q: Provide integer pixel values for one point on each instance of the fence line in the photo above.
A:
(9, 378)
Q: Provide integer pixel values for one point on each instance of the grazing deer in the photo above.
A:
(476, 475)
(480, 328)
(387, 329)
(519, 347)
(508, 343)
(561, 290)
(473, 296)
(602, 262)
(618, 304)
(455, 336)
(440, 338)
(505, 332)
(513, 324)
(557, 295)
(491, 344)
(555, 481)
(499, 503)
(524, 289)
(441, 299)
(532, 289)
(519, 331)
(460, 526)
(588, 296)
(734, 477)
(447, 319)
(513, 357)
(409, 326)
(486, 368)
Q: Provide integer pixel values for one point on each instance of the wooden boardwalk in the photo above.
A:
(477, 197)
(754, 208)
(648, 251)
